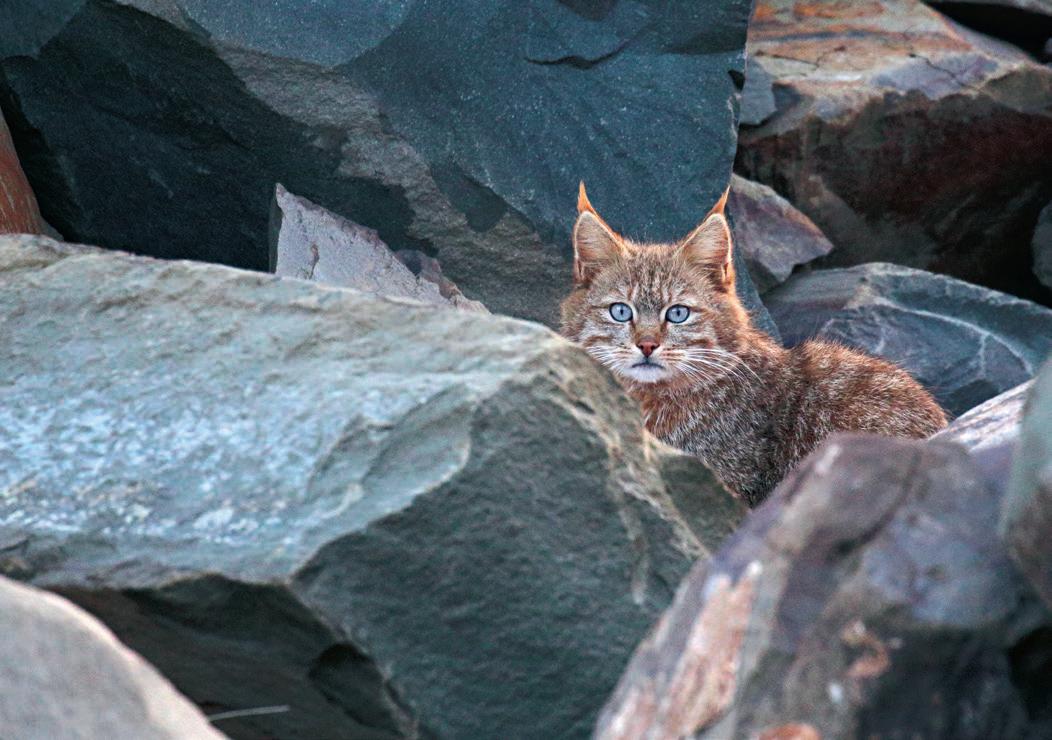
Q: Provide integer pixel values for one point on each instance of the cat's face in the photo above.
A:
(654, 313)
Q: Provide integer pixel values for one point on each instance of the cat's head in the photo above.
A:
(655, 313)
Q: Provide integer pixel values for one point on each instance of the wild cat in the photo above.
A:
(666, 319)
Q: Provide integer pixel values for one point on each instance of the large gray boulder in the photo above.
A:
(64, 675)
(1041, 246)
(870, 597)
(458, 128)
(1026, 520)
(397, 519)
(964, 343)
(904, 137)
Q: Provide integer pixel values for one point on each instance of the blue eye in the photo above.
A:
(677, 314)
(620, 312)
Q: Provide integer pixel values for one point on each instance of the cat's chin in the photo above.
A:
(646, 373)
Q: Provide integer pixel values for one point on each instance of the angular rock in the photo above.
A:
(1041, 245)
(19, 213)
(904, 137)
(964, 343)
(395, 520)
(870, 597)
(1026, 520)
(773, 236)
(428, 268)
(990, 424)
(311, 243)
(1025, 23)
(162, 126)
(64, 675)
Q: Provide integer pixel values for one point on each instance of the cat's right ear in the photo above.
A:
(594, 243)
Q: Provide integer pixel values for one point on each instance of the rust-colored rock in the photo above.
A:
(19, 213)
(905, 137)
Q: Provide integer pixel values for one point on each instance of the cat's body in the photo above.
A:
(665, 318)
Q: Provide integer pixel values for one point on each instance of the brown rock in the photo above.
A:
(905, 137)
(870, 597)
(19, 213)
(772, 235)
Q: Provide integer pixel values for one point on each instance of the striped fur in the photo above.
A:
(720, 388)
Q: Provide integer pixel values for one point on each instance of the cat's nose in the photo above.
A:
(647, 348)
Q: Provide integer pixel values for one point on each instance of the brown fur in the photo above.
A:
(723, 390)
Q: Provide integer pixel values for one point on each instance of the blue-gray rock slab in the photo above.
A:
(458, 128)
(964, 343)
(1026, 517)
(396, 519)
(63, 674)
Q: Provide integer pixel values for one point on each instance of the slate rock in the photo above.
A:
(1041, 246)
(311, 243)
(772, 235)
(64, 675)
(869, 597)
(395, 520)
(905, 137)
(990, 424)
(460, 129)
(963, 342)
(19, 213)
(1026, 519)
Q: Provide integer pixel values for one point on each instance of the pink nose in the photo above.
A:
(647, 348)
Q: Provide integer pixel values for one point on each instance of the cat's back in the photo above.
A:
(840, 389)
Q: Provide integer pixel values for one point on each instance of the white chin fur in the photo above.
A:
(645, 373)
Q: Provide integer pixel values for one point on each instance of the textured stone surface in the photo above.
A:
(458, 128)
(990, 424)
(1027, 517)
(1025, 23)
(870, 597)
(396, 520)
(905, 137)
(773, 236)
(965, 343)
(18, 206)
(64, 675)
(1041, 245)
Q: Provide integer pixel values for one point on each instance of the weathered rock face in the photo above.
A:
(905, 138)
(1027, 516)
(1041, 245)
(18, 206)
(992, 423)
(162, 127)
(1025, 23)
(396, 520)
(773, 237)
(64, 675)
(870, 597)
(966, 344)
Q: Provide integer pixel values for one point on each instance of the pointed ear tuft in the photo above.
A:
(721, 204)
(583, 203)
(594, 245)
(709, 248)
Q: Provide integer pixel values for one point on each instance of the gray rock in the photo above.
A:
(460, 128)
(758, 102)
(965, 343)
(772, 235)
(1025, 23)
(395, 520)
(1041, 245)
(869, 597)
(1026, 520)
(311, 243)
(990, 424)
(64, 675)
(905, 137)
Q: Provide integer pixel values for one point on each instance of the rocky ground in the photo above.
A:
(294, 430)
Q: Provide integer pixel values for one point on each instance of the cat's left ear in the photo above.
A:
(709, 247)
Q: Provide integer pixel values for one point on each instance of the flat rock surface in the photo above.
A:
(964, 343)
(773, 236)
(869, 597)
(459, 128)
(66, 676)
(905, 137)
(397, 521)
